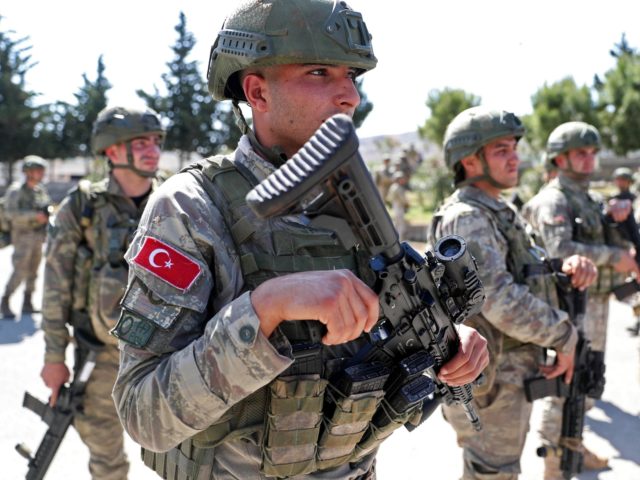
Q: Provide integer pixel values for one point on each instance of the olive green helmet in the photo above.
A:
(571, 135)
(277, 32)
(473, 128)
(623, 172)
(119, 124)
(32, 162)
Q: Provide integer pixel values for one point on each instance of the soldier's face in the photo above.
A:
(146, 152)
(290, 102)
(582, 160)
(503, 161)
(34, 175)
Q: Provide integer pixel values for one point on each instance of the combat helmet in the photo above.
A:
(33, 161)
(623, 172)
(472, 129)
(120, 125)
(570, 135)
(277, 32)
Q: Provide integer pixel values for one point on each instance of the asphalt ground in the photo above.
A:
(430, 452)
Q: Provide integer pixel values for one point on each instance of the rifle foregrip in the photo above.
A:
(331, 146)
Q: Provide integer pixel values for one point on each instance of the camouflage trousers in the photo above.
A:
(99, 426)
(27, 253)
(595, 329)
(494, 453)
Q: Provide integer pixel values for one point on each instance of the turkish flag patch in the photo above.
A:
(168, 264)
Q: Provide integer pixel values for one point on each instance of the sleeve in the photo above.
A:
(19, 216)
(510, 307)
(64, 236)
(168, 390)
(551, 217)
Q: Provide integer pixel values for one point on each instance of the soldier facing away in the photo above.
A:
(212, 378)
(26, 208)
(86, 275)
(571, 220)
(520, 315)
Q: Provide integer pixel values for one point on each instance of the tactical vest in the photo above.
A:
(100, 269)
(301, 422)
(524, 258)
(589, 227)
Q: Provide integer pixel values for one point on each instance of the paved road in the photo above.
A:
(613, 426)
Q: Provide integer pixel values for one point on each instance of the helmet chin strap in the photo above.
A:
(274, 155)
(578, 176)
(131, 166)
(486, 175)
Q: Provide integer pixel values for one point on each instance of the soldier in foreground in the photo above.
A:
(26, 208)
(86, 275)
(520, 315)
(210, 321)
(571, 220)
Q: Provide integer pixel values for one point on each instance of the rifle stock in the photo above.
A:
(421, 298)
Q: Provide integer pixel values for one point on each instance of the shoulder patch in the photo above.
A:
(134, 330)
(168, 264)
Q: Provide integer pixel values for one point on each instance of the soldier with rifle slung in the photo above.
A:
(241, 337)
(520, 315)
(85, 278)
(572, 220)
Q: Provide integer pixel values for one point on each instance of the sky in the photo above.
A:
(499, 50)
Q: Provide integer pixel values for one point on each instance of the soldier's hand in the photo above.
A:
(471, 359)
(336, 298)
(619, 209)
(627, 264)
(583, 271)
(564, 364)
(54, 376)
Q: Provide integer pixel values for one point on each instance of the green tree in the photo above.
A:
(619, 99)
(365, 106)
(444, 105)
(17, 112)
(557, 103)
(197, 123)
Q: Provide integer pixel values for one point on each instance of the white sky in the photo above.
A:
(500, 50)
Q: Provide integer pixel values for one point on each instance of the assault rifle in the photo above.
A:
(422, 299)
(60, 416)
(628, 229)
(587, 381)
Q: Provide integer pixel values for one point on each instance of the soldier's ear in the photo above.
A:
(471, 165)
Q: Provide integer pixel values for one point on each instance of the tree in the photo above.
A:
(560, 102)
(619, 99)
(444, 106)
(17, 112)
(196, 122)
(364, 108)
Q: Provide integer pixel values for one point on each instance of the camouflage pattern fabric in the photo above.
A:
(397, 197)
(383, 178)
(83, 274)
(22, 205)
(205, 352)
(510, 309)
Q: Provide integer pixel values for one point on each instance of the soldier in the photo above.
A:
(214, 369)
(383, 177)
(623, 179)
(86, 275)
(397, 197)
(570, 220)
(26, 207)
(520, 315)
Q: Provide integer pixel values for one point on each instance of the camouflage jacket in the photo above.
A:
(510, 307)
(205, 353)
(22, 205)
(85, 272)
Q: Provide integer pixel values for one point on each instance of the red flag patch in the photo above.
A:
(168, 264)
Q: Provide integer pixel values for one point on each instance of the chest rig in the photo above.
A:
(524, 259)
(298, 421)
(590, 227)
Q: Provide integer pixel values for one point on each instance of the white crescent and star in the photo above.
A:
(152, 258)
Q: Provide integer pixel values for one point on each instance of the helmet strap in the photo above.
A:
(130, 165)
(486, 175)
(274, 155)
(578, 176)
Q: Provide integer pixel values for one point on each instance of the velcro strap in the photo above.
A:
(297, 437)
(242, 230)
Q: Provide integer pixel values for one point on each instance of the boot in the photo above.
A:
(27, 306)
(6, 312)
(593, 461)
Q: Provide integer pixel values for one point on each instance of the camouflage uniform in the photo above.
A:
(85, 278)
(384, 178)
(516, 323)
(569, 220)
(201, 359)
(22, 203)
(397, 197)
